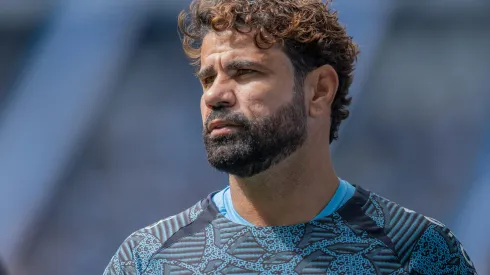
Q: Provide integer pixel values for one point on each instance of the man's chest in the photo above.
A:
(312, 249)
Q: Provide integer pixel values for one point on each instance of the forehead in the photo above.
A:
(229, 45)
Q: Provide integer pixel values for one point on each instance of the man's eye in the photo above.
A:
(208, 80)
(244, 72)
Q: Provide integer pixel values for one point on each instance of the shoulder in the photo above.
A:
(135, 253)
(438, 251)
(423, 244)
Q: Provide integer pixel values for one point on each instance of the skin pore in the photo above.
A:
(240, 78)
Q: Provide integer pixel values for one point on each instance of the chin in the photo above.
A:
(240, 172)
(239, 165)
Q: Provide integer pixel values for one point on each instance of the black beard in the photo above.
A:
(257, 145)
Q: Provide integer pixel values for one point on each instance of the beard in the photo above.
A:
(256, 145)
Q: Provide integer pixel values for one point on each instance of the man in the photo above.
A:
(275, 77)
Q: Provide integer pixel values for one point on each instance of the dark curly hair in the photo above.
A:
(308, 30)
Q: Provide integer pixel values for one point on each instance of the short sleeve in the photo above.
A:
(134, 255)
(438, 251)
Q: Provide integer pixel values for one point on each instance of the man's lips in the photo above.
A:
(221, 126)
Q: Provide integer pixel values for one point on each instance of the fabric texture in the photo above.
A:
(367, 235)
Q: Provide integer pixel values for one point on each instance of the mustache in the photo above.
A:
(233, 117)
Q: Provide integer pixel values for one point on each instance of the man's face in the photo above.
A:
(254, 115)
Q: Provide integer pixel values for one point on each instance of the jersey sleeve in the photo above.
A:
(134, 255)
(439, 252)
(115, 267)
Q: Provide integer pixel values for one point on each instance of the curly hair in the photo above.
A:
(308, 31)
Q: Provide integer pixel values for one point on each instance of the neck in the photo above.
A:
(291, 192)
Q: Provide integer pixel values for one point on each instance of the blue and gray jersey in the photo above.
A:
(367, 235)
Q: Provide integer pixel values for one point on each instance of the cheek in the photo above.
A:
(204, 110)
(266, 100)
(258, 109)
(252, 100)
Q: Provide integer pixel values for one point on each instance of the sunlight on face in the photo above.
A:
(253, 113)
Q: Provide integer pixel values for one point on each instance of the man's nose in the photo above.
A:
(220, 95)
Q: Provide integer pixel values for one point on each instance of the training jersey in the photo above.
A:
(367, 235)
(224, 204)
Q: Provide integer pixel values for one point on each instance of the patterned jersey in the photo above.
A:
(368, 235)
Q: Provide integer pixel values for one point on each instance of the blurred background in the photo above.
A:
(100, 128)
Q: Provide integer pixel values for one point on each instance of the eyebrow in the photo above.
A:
(232, 65)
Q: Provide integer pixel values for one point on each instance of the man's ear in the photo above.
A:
(324, 83)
